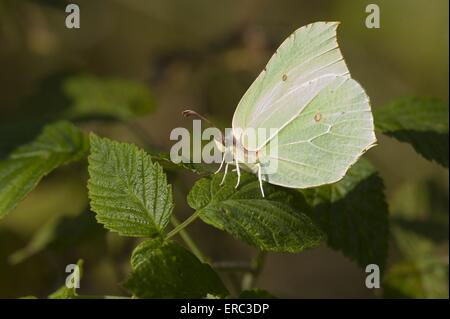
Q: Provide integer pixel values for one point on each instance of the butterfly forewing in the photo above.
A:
(303, 65)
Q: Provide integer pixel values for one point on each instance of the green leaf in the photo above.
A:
(58, 144)
(65, 292)
(354, 214)
(163, 269)
(68, 96)
(422, 273)
(198, 168)
(424, 278)
(422, 207)
(128, 192)
(275, 223)
(419, 230)
(22, 121)
(61, 234)
(118, 98)
(421, 122)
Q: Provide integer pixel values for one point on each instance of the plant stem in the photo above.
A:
(183, 225)
(249, 279)
(188, 240)
(100, 297)
(233, 266)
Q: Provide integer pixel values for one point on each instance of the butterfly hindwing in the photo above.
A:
(329, 136)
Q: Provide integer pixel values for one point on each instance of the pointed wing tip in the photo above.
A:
(334, 24)
(337, 23)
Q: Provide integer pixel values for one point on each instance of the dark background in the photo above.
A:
(202, 55)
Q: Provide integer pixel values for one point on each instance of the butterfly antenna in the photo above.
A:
(191, 113)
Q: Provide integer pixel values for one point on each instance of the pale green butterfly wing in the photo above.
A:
(305, 63)
(318, 147)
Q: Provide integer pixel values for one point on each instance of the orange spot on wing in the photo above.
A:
(317, 117)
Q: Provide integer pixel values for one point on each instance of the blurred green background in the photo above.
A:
(203, 55)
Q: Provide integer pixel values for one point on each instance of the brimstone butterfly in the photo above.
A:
(318, 115)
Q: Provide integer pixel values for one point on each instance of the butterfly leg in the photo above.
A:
(260, 179)
(238, 172)
(224, 174)
(221, 164)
